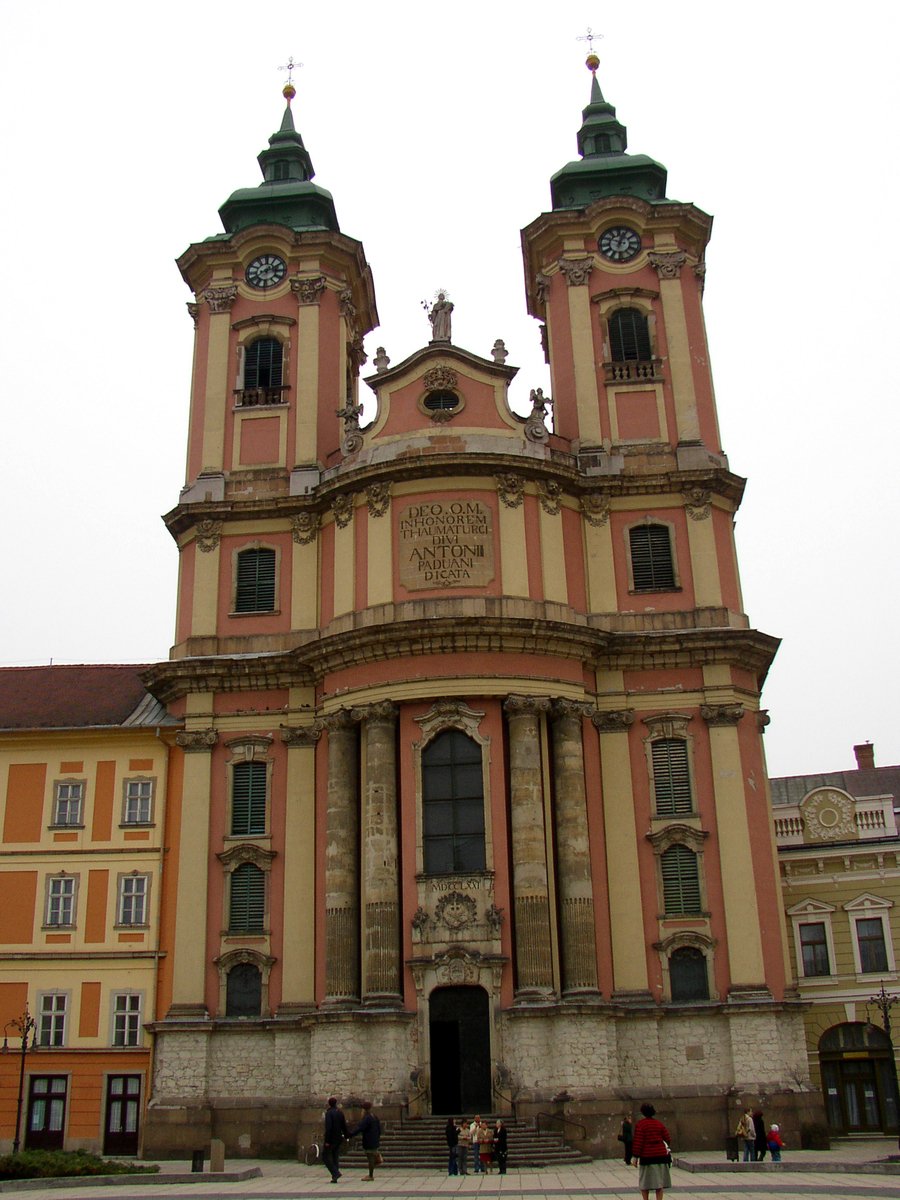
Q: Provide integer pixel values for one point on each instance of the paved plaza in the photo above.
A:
(850, 1170)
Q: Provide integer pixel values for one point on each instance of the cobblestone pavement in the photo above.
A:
(848, 1171)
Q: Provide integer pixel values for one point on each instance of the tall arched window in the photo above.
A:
(652, 565)
(243, 991)
(452, 804)
(688, 977)
(255, 588)
(629, 336)
(681, 880)
(263, 365)
(247, 901)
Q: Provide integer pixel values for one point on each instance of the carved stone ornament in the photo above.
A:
(346, 305)
(668, 266)
(533, 705)
(342, 509)
(577, 271)
(351, 440)
(562, 709)
(535, 428)
(450, 714)
(494, 917)
(304, 527)
(721, 714)
(456, 968)
(545, 343)
(219, 299)
(667, 725)
(829, 815)
(249, 748)
(510, 489)
(499, 353)
(677, 835)
(357, 353)
(301, 736)
(381, 712)
(381, 360)
(193, 311)
(617, 720)
(244, 853)
(336, 721)
(542, 287)
(440, 377)
(549, 494)
(700, 272)
(455, 911)
(196, 741)
(308, 291)
(698, 503)
(595, 506)
(378, 499)
(420, 921)
(763, 719)
(208, 535)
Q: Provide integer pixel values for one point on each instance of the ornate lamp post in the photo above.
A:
(884, 1002)
(24, 1027)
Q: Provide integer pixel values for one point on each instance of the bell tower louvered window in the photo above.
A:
(247, 905)
(263, 366)
(652, 567)
(248, 798)
(629, 336)
(255, 581)
(681, 880)
(671, 777)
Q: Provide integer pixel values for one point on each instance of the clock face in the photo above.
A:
(266, 271)
(619, 243)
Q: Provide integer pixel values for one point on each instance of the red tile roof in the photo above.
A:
(69, 697)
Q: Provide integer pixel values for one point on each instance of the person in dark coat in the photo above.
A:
(451, 1133)
(759, 1125)
(626, 1137)
(369, 1130)
(501, 1147)
(335, 1136)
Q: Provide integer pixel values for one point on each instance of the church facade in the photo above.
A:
(466, 804)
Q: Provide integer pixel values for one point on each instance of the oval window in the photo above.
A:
(441, 401)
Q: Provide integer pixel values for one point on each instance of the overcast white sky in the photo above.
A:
(437, 128)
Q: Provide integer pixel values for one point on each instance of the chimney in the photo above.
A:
(865, 757)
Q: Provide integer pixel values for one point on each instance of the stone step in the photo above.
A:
(421, 1144)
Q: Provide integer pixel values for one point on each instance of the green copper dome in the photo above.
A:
(604, 168)
(287, 195)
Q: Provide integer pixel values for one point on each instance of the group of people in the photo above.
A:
(485, 1144)
(337, 1133)
(751, 1130)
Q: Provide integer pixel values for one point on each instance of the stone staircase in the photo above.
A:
(420, 1144)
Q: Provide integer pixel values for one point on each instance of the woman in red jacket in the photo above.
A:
(651, 1150)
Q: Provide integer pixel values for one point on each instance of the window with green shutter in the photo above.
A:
(249, 782)
(255, 581)
(652, 565)
(264, 363)
(681, 880)
(629, 336)
(671, 777)
(247, 907)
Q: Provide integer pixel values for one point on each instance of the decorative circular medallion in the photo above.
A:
(619, 243)
(266, 271)
(828, 815)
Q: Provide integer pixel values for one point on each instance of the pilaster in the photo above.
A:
(668, 266)
(342, 862)
(298, 947)
(306, 368)
(219, 301)
(587, 398)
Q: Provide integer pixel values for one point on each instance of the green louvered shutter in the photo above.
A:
(248, 799)
(671, 777)
(681, 880)
(651, 558)
(255, 581)
(247, 910)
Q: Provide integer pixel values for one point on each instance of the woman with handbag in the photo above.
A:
(650, 1149)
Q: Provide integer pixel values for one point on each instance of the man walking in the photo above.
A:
(335, 1136)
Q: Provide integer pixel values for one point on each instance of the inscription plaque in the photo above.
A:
(446, 543)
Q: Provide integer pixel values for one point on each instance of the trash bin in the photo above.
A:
(731, 1149)
(197, 1160)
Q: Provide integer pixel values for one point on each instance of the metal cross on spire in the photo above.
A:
(290, 66)
(590, 37)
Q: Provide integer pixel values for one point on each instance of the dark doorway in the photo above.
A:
(123, 1105)
(460, 1040)
(859, 1080)
(46, 1126)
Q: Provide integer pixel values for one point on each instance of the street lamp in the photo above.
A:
(884, 1002)
(24, 1027)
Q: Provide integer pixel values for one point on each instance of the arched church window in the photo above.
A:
(452, 804)
(247, 900)
(263, 366)
(243, 991)
(629, 336)
(688, 976)
(652, 565)
(681, 880)
(255, 589)
(671, 777)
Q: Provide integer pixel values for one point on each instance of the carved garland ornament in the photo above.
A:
(698, 503)
(440, 377)
(829, 815)
(209, 533)
(304, 527)
(342, 509)
(455, 911)
(549, 494)
(378, 499)
(595, 506)
(510, 489)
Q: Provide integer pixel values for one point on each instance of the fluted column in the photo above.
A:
(531, 888)
(381, 885)
(342, 862)
(579, 953)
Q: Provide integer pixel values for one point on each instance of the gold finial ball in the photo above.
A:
(592, 62)
(289, 92)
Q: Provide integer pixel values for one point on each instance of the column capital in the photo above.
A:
(561, 709)
(196, 741)
(617, 720)
(721, 714)
(295, 736)
(383, 712)
(668, 266)
(219, 299)
(518, 706)
(337, 721)
(308, 291)
(576, 271)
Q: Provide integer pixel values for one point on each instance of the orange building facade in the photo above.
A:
(468, 807)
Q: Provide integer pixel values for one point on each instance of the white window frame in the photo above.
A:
(871, 908)
(58, 800)
(56, 901)
(134, 877)
(139, 784)
(813, 912)
(53, 1013)
(126, 1016)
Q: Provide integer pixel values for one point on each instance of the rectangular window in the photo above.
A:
(67, 802)
(671, 777)
(652, 565)
(126, 1019)
(681, 880)
(52, 1019)
(248, 798)
(255, 581)
(814, 949)
(61, 900)
(872, 950)
(138, 801)
(133, 900)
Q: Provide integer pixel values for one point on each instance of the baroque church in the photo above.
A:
(466, 806)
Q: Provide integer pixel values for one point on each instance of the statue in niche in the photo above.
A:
(439, 316)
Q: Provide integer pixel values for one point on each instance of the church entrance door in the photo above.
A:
(460, 1043)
